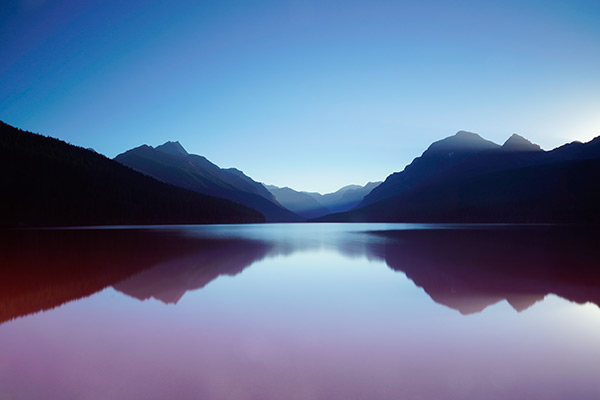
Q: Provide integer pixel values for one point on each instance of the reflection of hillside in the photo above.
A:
(169, 281)
(470, 269)
(465, 269)
(43, 269)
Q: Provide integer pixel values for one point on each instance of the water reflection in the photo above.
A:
(470, 269)
(465, 269)
(43, 269)
(170, 280)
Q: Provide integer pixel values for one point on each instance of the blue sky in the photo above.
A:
(308, 94)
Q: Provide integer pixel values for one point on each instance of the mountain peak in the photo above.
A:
(462, 141)
(467, 134)
(519, 143)
(172, 148)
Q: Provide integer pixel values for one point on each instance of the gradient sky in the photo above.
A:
(308, 94)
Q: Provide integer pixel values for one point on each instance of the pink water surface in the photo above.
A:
(306, 322)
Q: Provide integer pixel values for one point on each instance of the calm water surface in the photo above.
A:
(301, 311)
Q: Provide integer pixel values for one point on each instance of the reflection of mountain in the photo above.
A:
(169, 281)
(470, 269)
(41, 270)
(466, 269)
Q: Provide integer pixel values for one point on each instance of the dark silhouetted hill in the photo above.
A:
(519, 143)
(465, 178)
(435, 163)
(172, 164)
(47, 182)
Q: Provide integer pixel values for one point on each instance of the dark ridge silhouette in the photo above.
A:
(514, 183)
(313, 205)
(47, 182)
(172, 164)
(519, 143)
(443, 160)
(554, 193)
(470, 269)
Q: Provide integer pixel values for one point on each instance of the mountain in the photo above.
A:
(47, 182)
(312, 204)
(519, 143)
(345, 198)
(172, 164)
(301, 203)
(434, 163)
(465, 178)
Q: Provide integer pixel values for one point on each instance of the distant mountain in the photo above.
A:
(312, 204)
(299, 202)
(47, 182)
(465, 178)
(171, 163)
(345, 198)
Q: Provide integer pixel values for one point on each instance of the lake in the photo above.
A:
(301, 311)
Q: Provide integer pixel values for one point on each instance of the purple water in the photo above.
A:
(356, 311)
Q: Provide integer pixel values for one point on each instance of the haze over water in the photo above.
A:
(312, 311)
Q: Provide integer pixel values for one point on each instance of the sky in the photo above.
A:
(313, 95)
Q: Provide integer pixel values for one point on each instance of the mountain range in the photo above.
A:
(47, 182)
(465, 178)
(313, 205)
(172, 164)
(462, 178)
